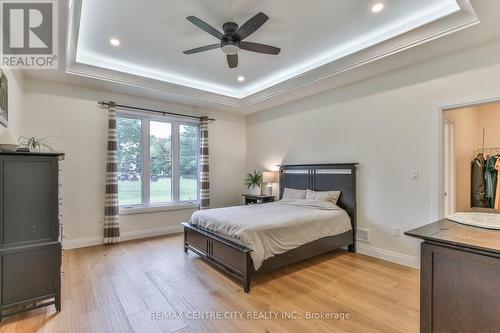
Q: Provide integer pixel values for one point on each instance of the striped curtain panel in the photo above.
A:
(204, 168)
(111, 225)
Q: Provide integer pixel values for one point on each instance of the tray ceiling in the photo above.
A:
(318, 38)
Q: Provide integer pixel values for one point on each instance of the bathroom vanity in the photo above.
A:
(459, 278)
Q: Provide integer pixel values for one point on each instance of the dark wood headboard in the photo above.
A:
(324, 177)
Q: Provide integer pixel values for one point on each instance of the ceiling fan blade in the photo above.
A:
(260, 48)
(205, 27)
(202, 48)
(232, 60)
(250, 26)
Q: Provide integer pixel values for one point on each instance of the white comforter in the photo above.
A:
(273, 228)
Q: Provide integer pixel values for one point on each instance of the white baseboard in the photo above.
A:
(125, 236)
(395, 257)
(82, 242)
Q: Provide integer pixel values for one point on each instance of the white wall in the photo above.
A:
(489, 119)
(77, 126)
(389, 125)
(16, 102)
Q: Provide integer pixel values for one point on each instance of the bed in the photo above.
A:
(226, 239)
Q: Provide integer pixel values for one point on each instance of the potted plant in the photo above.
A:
(253, 182)
(35, 144)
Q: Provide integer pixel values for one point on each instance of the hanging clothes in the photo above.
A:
(490, 177)
(497, 197)
(477, 182)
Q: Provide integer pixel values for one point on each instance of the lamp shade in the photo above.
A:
(269, 177)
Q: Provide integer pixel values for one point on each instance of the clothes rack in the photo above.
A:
(487, 150)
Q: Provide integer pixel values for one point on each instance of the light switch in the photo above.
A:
(414, 175)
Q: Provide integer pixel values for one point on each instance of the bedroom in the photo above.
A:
(379, 105)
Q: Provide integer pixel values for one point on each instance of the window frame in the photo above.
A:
(176, 203)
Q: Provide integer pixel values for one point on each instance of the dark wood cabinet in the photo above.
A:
(251, 199)
(459, 278)
(29, 206)
(30, 273)
(30, 247)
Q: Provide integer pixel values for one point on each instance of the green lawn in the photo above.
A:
(129, 192)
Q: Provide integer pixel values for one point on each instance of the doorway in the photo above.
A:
(471, 138)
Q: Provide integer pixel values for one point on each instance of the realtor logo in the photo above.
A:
(29, 37)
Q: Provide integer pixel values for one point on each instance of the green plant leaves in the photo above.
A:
(253, 179)
(34, 143)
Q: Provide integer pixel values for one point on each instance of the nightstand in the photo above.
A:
(251, 199)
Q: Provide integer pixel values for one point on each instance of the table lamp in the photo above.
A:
(269, 177)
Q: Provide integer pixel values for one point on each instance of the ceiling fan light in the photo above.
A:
(232, 39)
(230, 49)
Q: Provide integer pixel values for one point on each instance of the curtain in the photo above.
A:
(111, 225)
(204, 167)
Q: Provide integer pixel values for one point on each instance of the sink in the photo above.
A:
(476, 219)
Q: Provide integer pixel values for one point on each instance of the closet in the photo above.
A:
(485, 187)
(472, 159)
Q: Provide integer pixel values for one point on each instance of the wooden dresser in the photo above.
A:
(459, 278)
(30, 247)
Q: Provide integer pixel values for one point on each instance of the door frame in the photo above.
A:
(449, 137)
(437, 149)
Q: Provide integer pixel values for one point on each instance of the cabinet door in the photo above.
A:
(30, 273)
(460, 291)
(29, 207)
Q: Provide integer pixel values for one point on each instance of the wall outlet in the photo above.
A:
(395, 231)
(414, 175)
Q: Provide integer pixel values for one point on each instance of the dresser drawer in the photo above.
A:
(30, 273)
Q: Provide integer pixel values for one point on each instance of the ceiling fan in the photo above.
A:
(231, 41)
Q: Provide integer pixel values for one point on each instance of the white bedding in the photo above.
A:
(273, 228)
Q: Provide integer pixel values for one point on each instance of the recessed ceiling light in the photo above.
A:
(378, 7)
(114, 42)
(241, 78)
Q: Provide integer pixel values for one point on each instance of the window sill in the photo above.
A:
(127, 210)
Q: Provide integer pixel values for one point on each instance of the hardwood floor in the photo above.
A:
(117, 288)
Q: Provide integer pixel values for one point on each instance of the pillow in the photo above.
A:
(330, 196)
(291, 193)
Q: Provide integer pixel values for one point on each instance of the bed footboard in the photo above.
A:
(227, 256)
(236, 261)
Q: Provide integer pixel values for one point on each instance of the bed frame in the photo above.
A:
(235, 260)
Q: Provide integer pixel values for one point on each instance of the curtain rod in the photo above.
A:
(152, 110)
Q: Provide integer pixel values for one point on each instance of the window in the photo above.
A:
(160, 162)
(129, 161)
(188, 161)
(157, 161)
